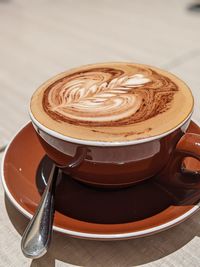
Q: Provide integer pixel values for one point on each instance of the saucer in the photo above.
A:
(86, 212)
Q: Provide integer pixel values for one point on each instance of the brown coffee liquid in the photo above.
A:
(112, 102)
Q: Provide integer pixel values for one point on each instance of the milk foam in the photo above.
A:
(112, 102)
(96, 97)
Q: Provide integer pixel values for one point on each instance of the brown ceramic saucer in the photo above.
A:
(87, 212)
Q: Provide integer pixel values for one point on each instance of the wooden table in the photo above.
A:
(41, 38)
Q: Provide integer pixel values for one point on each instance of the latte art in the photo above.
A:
(109, 96)
(112, 102)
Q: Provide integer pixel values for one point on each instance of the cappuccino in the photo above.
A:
(112, 102)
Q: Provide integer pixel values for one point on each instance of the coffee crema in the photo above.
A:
(112, 102)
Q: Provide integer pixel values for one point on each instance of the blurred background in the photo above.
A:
(39, 39)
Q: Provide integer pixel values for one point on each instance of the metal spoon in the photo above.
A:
(37, 236)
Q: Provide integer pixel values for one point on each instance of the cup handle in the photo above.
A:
(173, 174)
(189, 145)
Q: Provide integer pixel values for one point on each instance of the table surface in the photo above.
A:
(41, 38)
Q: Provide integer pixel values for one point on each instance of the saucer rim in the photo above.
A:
(116, 236)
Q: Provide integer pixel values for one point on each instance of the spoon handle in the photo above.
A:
(36, 238)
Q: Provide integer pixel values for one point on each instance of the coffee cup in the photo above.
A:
(121, 123)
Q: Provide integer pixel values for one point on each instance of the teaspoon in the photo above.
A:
(37, 235)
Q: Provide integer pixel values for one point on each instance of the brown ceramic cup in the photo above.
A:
(118, 164)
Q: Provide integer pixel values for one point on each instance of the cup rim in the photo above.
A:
(104, 143)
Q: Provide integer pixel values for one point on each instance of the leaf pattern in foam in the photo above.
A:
(99, 92)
